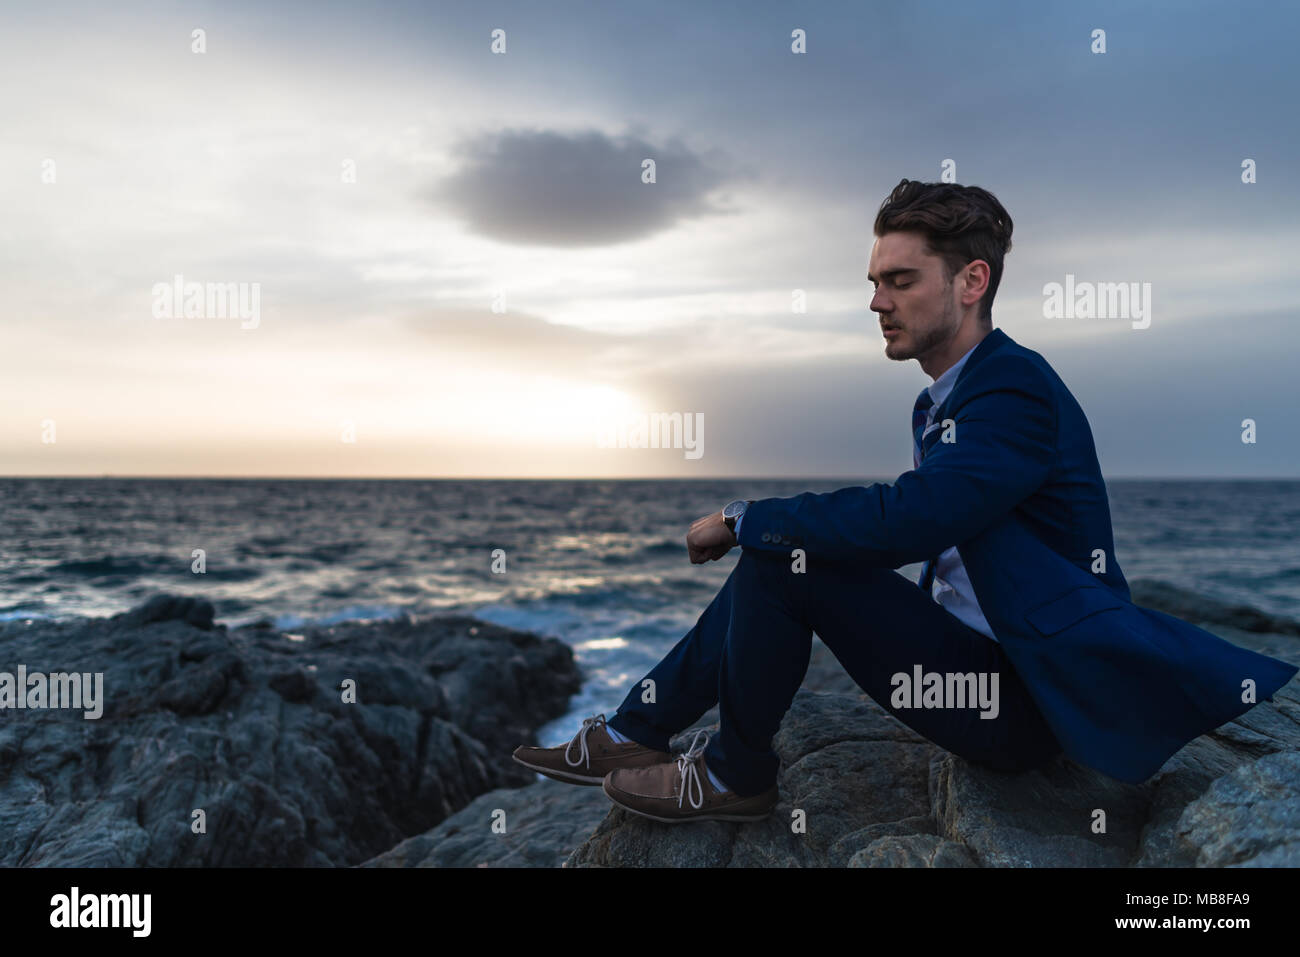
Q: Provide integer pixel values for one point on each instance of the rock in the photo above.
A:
(913, 850)
(293, 685)
(1247, 818)
(543, 824)
(197, 690)
(1196, 608)
(198, 612)
(1044, 818)
(251, 728)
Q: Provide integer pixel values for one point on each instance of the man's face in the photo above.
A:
(916, 301)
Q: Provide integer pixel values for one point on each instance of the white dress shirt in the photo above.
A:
(952, 587)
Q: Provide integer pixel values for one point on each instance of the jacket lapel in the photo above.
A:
(989, 344)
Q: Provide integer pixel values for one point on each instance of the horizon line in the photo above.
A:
(852, 479)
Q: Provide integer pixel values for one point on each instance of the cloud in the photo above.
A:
(510, 338)
(580, 189)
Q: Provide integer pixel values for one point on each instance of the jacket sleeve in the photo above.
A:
(1003, 449)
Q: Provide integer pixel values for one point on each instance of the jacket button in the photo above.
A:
(767, 537)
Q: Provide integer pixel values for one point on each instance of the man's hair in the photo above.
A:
(960, 224)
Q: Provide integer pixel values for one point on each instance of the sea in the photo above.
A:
(599, 564)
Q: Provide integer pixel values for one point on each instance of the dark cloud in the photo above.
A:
(581, 189)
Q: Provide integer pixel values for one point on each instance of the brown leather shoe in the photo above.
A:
(589, 756)
(679, 790)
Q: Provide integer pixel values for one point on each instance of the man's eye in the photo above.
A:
(902, 285)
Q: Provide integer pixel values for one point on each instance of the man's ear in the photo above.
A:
(976, 277)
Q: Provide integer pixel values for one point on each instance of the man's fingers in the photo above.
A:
(711, 549)
(712, 553)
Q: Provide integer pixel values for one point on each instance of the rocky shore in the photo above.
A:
(253, 747)
(875, 794)
(387, 744)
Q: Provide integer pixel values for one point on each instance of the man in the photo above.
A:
(1020, 595)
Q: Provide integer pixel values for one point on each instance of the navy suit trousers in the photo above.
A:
(749, 652)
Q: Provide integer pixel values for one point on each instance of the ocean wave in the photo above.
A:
(115, 566)
(23, 611)
(341, 616)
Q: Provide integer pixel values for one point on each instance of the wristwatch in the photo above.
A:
(732, 511)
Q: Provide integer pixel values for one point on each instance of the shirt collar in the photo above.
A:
(941, 386)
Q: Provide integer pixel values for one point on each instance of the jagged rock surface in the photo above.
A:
(249, 725)
(873, 793)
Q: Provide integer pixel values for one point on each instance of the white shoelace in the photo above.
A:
(580, 739)
(687, 764)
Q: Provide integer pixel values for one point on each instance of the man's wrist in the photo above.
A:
(733, 513)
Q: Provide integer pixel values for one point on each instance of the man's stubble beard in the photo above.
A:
(933, 336)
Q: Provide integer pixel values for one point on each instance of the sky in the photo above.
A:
(452, 266)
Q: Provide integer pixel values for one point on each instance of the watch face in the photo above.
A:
(733, 509)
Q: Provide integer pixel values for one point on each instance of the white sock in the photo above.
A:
(716, 783)
(617, 738)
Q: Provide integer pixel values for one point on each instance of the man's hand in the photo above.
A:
(709, 539)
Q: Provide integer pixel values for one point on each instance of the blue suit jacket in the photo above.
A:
(1019, 492)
